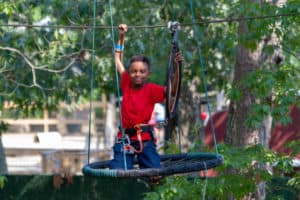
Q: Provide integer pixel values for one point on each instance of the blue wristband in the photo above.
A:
(119, 47)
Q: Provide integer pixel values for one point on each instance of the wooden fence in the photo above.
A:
(70, 119)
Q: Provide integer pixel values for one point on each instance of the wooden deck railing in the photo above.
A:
(75, 122)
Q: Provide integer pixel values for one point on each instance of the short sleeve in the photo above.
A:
(158, 93)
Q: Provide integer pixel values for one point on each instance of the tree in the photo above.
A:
(263, 85)
(44, 61)
(41, 66)
(258, 62)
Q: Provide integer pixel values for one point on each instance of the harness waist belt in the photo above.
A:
(132, 131)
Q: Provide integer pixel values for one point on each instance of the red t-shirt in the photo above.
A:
(138, 104)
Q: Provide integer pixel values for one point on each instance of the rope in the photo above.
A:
(203, 74)
(178, 113)
(92, 80)
(80, 27)
(179, 131)
(118, 85)
(205, 183)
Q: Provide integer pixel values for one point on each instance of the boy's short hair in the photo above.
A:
(140, 58)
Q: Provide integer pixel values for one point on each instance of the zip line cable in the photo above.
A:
(152, 26)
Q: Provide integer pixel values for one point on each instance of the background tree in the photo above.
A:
(257, 67)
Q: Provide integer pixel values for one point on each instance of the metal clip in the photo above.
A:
(127, 148)
(174, 26)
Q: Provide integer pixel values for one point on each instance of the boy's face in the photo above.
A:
(139, 73)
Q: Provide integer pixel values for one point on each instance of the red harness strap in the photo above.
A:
(129, 148)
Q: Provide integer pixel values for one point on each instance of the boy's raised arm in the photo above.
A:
(119, 48)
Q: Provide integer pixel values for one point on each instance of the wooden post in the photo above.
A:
(46, 117)
(110, 123)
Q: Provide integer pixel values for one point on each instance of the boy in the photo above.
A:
(139, 98)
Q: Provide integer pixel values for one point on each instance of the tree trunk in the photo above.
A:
(238, 134)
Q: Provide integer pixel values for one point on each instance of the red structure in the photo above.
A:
(280, 134)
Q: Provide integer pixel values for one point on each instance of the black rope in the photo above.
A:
(152, 26)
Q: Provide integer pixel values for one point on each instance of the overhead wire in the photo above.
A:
(152, 26)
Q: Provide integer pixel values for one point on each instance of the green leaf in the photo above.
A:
(3, 179)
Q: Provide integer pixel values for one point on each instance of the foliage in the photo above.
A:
(54, 48)
(275, 85)
(36, 187)
(248, 167)
(270, 83)
(3, 127)
(295, 181)
(3, 179)
(295, 147)
(40, 67)
(43, 66)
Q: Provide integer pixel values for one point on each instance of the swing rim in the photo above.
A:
(202, 161)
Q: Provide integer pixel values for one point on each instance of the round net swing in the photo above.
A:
(172, 163)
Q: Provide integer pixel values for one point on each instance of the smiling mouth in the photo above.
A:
(138, 80)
